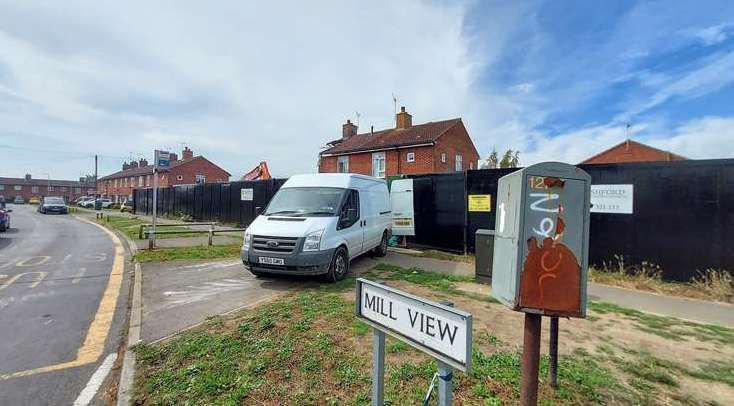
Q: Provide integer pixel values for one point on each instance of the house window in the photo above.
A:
(147, 180)
(459, 163)
(78, 190)
(34, 189)
(2, 187)
(443, 157)
(200, 179)
(63, 188)
(50, 188)
(378, 164)
(342, 164)
(410, 157)
(140, 181)
(179, 177)
(18, 187)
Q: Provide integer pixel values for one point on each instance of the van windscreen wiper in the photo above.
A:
(281, 212)
(317, 213)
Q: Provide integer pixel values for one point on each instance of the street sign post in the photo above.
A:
(541, 254)
(437, 329)
(161, 159)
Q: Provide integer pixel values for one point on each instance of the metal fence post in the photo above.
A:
(530, 360)
(445, 384)
(378, 367)
(553, 352)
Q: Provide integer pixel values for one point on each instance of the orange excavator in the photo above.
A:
(261, 172)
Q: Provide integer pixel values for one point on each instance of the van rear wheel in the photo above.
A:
(339, 265)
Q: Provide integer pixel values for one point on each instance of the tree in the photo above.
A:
(491, 162)
(510, 159)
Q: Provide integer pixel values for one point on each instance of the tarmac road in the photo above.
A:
(62, 305)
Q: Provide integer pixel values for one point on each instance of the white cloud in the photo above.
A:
(712, 35)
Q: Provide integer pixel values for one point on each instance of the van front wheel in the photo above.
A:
(339, 265)
(381, 250)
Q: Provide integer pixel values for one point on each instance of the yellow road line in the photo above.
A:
(94, 342)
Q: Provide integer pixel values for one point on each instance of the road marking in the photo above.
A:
(40, 276)
(87, 394)
(39, 260)
(94, 342)
(78, 275)
(66, 258)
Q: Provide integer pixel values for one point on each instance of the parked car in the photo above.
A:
(87, 202)
(102, 203)
(127, 206)
(19, 200)
(4, 218)
(34, 200)
(2, 202)
(52, 204)
(316, 224)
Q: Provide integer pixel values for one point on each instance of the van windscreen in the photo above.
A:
(306, 201)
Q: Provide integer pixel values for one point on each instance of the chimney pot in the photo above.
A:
(403, 119)
(27, 176)
(187, 153)
(348, 129)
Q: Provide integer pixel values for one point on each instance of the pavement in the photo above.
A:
(181, 294)
(62, 306)
(682, 308)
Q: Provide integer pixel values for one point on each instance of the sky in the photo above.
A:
(244, 82)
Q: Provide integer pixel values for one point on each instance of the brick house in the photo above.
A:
(189, 169)
(632, 151)
(407, 149)
(28, 187)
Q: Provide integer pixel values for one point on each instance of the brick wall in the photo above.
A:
(186, 173)
(455, 141)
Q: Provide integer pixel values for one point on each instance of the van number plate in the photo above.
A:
(271, 261)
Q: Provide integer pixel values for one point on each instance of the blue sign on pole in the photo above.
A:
(162, 159)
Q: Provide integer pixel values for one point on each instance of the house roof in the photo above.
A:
(147, 170)
(391, 138)
(632, 151)
(43, 182)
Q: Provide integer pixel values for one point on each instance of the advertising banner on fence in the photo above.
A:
(612, 199)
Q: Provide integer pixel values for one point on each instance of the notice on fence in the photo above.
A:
(246, 194)
(612, 199)
(481, 203)
(441, 331)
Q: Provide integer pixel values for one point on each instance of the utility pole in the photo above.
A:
(96, 192)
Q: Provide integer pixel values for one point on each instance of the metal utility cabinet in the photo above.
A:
(484, 251)
(541, 240)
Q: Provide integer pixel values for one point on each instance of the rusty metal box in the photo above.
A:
(541, 244)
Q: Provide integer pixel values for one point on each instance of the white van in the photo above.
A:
(317, 223)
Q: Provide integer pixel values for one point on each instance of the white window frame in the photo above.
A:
(410, 157)
(200, 179)
(459, 163)
(342, 161)
(140, 181)
(443, 157)
(378, 164)
(50, 188)
(18, 187)
(34, 189)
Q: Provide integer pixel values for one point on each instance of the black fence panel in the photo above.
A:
(209, 202)
(440, 212)
(482, 182)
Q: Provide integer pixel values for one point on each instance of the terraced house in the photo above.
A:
(434, 147)
(28, 187)
(188, 170)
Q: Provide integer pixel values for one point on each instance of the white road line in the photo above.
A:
(95, 381)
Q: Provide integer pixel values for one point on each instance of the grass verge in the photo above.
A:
(130, 226)
(300, 350)
(195, 252)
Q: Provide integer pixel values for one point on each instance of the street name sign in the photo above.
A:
(439, 330)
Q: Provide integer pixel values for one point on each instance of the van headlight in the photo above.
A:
(313, 241)
(248, 240)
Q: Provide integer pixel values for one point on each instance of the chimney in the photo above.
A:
(143, 162)
(133, 164)
(27, 176)
(125, 166)
(403, 119)
(174, 157)
(348, 129)
(187, 153)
